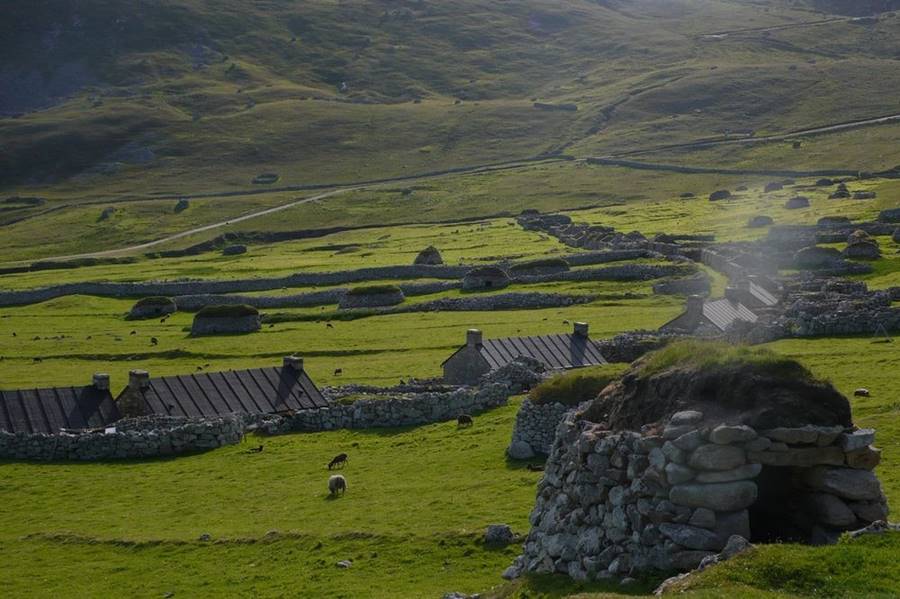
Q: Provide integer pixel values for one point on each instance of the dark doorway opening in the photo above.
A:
(778, 516)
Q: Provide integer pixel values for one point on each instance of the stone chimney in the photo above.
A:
(694, 309)
(474, 338)
(138, 380)
(581, 329)
(101, 381)
(733, 294)
(293, 363)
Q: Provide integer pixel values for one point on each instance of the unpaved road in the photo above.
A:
(721, 141)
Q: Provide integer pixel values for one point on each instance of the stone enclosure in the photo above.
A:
(617, 503)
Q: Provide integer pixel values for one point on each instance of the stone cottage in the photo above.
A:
(211, 394)
(485, 278)
(480, 356)
(709, 318)
(668, 465)
(51, 410)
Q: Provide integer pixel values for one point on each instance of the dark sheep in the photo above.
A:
(464, 420)
(338, 460)
(337, 484)
(338, 371)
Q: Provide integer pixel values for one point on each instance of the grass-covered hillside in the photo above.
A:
(192, 94)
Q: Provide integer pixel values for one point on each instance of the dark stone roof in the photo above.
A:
(723, 313)
(255, 391)
(554, 351)
(49, 410)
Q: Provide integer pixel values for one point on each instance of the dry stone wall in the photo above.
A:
(535, 428)
(131, 438)
(617, 503)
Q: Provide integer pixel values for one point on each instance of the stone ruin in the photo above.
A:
(430, 256)
(226, 319)
(665, 468)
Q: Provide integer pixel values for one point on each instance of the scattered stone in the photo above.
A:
(498, 535)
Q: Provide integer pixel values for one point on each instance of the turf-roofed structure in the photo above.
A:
(480, 356)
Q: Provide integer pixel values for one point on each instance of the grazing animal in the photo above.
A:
(14, 334)
(133, 333)
(256, 449)
(862, 392)
(464, 420)
(329, 325)
(535, 467)
(338, 460)
(338, 371)
(199, 368)
(154, 341)
(337, 484)
(38, 359)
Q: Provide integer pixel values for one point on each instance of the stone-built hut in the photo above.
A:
(55, 409)
(152, 307)
(226, 319)
(485, 278)
(709, 318)
(372, 296)
(480, 356)
(685, 452)
(211, 394)
(545, 266)
(430, 256)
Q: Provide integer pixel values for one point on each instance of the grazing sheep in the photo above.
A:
(337, 484)
(338, 371)
(329, 325)
(862, 392)
(535, 467)
(154, 341)
(338, 460)
(256, 449)
(464, 420)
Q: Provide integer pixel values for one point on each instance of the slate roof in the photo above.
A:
(554, 351)
(723, 313)
(254, 391)
(51, 409)
(762, 295)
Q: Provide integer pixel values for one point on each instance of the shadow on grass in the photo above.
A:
(558, 586)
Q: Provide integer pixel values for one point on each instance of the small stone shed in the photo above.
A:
(226, 319)
(51, 410)
(669, 463)
(372, 296)
(430, 256)
(479, 356)
(152, 307)
(211, 394)
(485, 278)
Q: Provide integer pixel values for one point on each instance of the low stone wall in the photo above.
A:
(617, 503)
(133, 438)
(352, 301)
(625, 272)
(698, 284)
(178, 288)
(403, 410)
(535, 428)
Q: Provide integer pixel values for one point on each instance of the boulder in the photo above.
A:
(849, 483)
(721, 194)
(691, 537)
(720, 497)
(499, 535)
(735, 545)
(520, 450)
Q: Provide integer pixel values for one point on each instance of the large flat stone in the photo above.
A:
(720, 497)
(849, 483)
(744, 472)
(690, 537)
(717, 457)
(866, 458)
(725, 434)
(857, 439)
(677, 474)
(804, 457)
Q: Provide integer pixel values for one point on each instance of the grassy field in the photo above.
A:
(411, 520)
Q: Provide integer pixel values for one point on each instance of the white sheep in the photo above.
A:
(337, 484)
